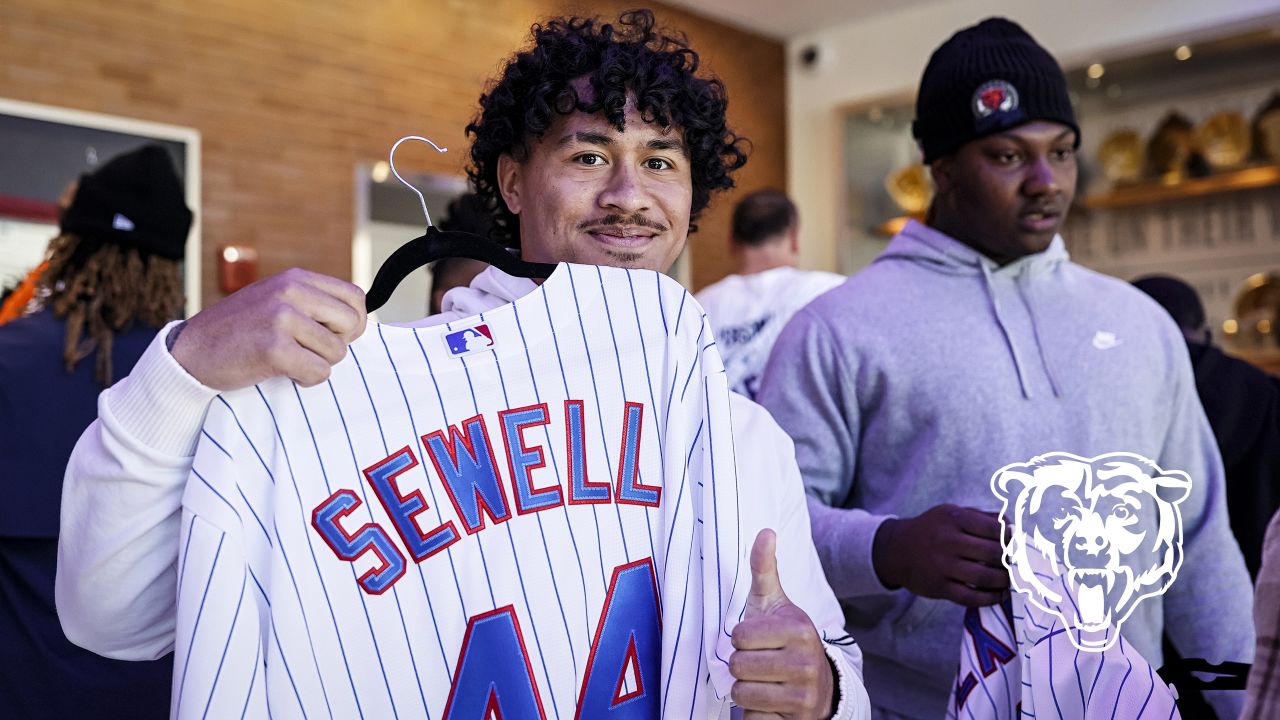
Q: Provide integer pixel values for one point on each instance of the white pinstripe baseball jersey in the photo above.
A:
(531, 513)
(1017, 662)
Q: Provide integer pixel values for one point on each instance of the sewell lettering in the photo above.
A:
(488, 475)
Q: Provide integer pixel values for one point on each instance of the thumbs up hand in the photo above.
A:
(780, 668)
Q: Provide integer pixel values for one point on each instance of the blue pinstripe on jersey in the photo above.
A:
(213, 686)
(216, 444)
(595, 391)
(377, 650)
(254, 513)
(555, 584)
(565, 379)
(422, 578)
(684, 605)
(195, 629)
(1123, 680)
(725, 630)
(555, 466)
(395, 593)
(622, 380)
(253, 679)
(319, 575)
(275, 635)
(446, 421)
(215, 492)
(1053, 687)
(1097, 675)
(684, 476)
(524, 592)
(426, 359)
(696, 361)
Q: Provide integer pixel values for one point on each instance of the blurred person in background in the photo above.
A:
(111, 279)
(15, 300)
(749, 309)
(1243, 406)
(467, 213)
(1262, 701)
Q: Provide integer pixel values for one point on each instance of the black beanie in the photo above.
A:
(987, 79)
(135, 200)
(1176, 297)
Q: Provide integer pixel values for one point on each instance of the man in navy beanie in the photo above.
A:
(971, 343)
(112, 278)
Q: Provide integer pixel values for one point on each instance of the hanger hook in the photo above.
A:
(421, 199)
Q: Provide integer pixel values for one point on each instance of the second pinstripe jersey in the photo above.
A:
(531, 513)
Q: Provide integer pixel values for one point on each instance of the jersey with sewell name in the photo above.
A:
(530, 513)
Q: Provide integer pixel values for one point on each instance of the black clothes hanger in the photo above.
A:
(437, 244)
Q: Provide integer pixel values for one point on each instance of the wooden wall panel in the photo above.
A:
(289, 95)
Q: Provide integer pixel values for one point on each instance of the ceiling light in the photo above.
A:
(1230, 327)
(381, 171)
(1096, 71)
(1183, 52)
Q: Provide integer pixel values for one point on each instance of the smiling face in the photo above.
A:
(586, 192)
(1006, 195)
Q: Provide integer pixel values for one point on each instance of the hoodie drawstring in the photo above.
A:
(1035, 333)
(1013, 349)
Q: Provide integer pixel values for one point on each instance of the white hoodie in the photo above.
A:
(122, 501)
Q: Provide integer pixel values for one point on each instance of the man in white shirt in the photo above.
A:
(749, 309)
(591, 179)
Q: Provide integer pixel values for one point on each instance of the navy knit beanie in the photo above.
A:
(135, 200)
(987, 79)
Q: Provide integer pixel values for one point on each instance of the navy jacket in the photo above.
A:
(43, 411)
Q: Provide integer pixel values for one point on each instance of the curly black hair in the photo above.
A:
(630, 59)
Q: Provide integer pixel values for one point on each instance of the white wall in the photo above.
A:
(22, 246)
(882, 58)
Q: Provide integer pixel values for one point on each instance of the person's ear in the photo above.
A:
(510, 182)
(941, 172)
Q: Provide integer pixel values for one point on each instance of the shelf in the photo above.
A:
(1266, 360)
(1247, 178)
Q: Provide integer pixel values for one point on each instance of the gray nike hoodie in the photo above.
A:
(912, 383)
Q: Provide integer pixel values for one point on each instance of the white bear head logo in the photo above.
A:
(1087, 539)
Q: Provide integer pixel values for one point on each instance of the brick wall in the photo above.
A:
(289, 95)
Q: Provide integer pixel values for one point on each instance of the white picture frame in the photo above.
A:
(188, 137)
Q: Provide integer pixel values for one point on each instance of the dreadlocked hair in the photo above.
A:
(101, 288)
(630, 59)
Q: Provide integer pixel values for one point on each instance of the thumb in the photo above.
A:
(766, 588)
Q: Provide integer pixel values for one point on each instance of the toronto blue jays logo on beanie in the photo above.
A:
(994, 96)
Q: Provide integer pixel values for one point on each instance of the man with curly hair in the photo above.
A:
(599, 144)
(112, 278)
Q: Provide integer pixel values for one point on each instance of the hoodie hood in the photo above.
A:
(1015, 282)
(490, 289)
(942, 253)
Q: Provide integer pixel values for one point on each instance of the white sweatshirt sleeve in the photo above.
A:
(121, 509)
(768, 471)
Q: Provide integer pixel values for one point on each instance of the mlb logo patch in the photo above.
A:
(469, 340)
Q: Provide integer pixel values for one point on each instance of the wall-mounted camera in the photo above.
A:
(809, 57)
